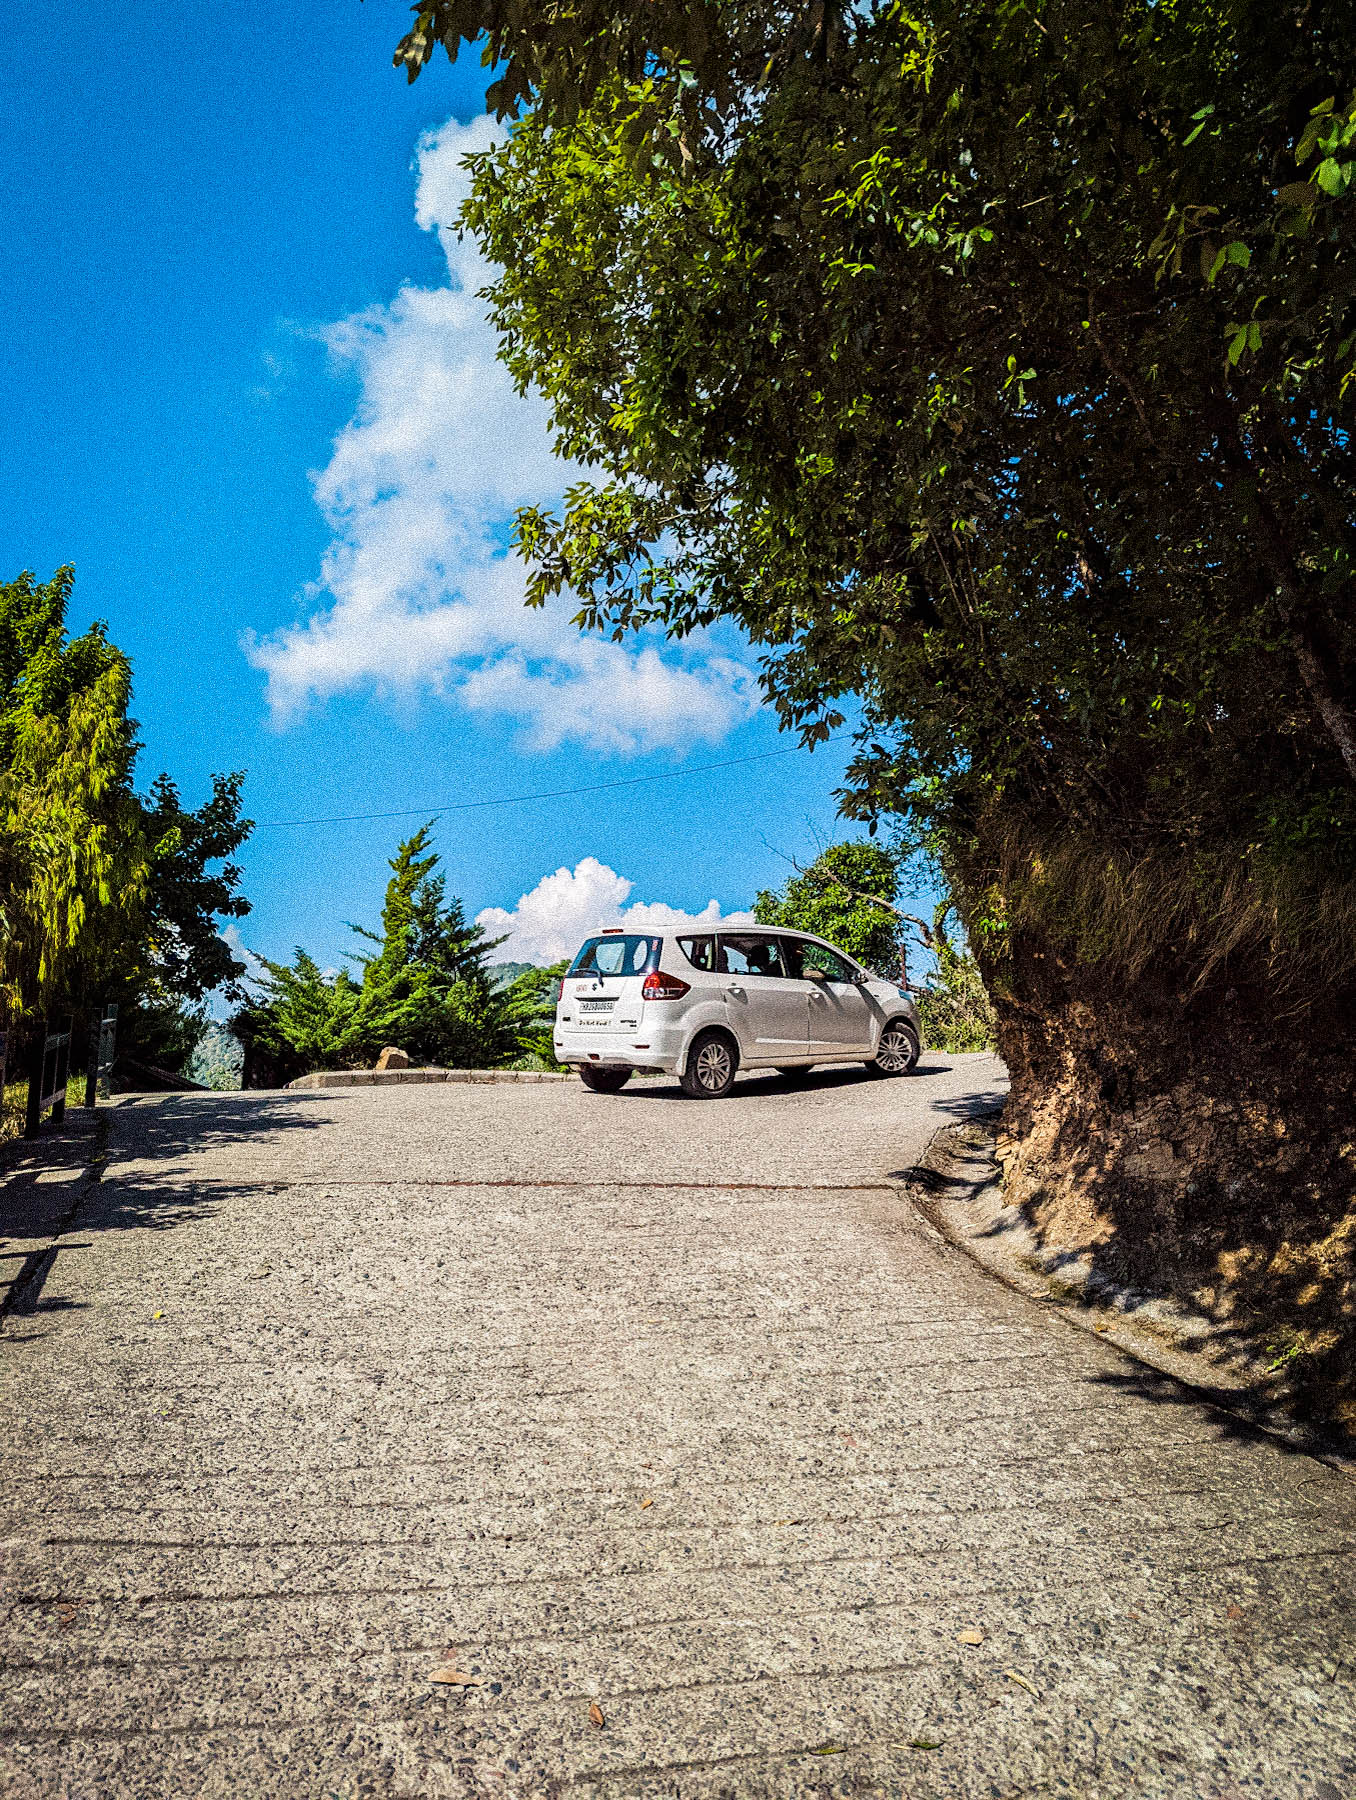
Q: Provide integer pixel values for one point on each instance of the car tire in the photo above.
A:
(604, 1081)
(710, 1068)
(897, 1052)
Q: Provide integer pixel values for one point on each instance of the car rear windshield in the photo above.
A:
(620, 954)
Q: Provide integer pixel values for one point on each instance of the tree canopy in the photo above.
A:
(992, 363)
(76, 864)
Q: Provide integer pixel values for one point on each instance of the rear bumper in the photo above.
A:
(653, 1047)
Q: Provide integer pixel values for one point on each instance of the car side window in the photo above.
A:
(826, 962)
(700, 952)
(751, 956)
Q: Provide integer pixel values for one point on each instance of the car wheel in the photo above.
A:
(898, 1050)
(711, 1065)
(604, 1081)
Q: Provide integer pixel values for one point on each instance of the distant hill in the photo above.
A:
(501, 974)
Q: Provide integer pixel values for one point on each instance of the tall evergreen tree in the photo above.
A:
(74, 858)
(425, 988)
(105, 895)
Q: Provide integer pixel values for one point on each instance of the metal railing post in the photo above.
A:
(108, 1037)
(37, 1066)
(92, 1058)
(61, 1072)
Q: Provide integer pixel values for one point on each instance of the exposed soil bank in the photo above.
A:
(1202, 1152)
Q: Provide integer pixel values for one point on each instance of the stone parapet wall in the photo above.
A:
(328, 1078)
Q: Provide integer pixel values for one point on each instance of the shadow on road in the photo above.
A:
(753, 1082)
(1232, 1412)
(54, 1186)
(165, 1133)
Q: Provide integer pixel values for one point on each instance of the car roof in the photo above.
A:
(723, 928)
(728, 928)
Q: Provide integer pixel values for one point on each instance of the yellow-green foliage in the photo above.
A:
(74, 860)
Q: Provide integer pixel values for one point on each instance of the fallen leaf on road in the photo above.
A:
(924, 1744)
(1233, 1612)
(65, 1613)
(1021, 1681)
(645, 1503)
(970, 1636)
(788, 1521)
(596, 1715)
(158, 1315)
(456, 1678)
(849, 1440)
(829, 1750)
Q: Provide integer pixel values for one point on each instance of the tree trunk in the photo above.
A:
(1201, 1148)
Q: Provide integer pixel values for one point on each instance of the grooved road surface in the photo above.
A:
(319, 1390)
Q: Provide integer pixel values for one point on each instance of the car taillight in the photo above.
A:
(560, 990)
(659, 986)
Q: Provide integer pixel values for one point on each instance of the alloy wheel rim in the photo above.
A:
(713, 1065)
(895, 1053)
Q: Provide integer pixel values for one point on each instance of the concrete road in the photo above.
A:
(666, 1412)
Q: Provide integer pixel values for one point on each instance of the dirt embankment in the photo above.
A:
(1201, 1153)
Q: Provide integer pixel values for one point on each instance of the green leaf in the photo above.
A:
(1203, 116)
(1330, 177)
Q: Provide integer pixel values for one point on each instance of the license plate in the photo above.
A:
(595, 1006)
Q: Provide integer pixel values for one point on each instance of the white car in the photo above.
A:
(701, 1005)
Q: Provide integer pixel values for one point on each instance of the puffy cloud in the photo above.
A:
(417, 589)
(563, 909)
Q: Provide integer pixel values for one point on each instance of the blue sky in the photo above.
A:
(244, 395)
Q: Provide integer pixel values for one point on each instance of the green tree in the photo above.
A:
(530, 1009)
(427, 989)
(160, 981)
(847, 895)
(993, 364)
(74, 858)
(105, 895)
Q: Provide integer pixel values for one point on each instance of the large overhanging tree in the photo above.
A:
(995, 361)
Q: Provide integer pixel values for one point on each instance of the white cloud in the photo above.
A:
(416, 590)
(563, 909)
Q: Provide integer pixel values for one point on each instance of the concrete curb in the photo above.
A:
(332, 1078)
(956, 1189)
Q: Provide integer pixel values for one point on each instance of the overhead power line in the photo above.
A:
(592, 787)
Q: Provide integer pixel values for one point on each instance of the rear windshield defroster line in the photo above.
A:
(621, 954)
